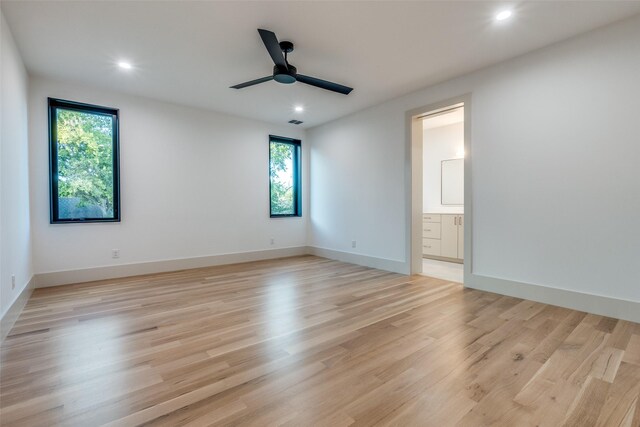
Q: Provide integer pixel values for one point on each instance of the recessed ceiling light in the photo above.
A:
(125, 65)
(505, 14)
(298, 108)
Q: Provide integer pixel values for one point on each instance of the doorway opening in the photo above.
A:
(441, 155)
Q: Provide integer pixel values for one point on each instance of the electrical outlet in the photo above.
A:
(353, 243)
(13, 281)
(273, 241)
(115, 253)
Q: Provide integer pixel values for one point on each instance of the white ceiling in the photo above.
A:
(191, 52)
(443, 119)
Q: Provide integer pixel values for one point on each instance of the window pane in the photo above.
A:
(85, 165)
(282, 175)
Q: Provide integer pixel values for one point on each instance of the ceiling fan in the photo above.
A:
(283, 72)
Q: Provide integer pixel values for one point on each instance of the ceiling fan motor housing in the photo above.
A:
(283, 75)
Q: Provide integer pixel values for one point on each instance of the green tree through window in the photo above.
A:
(84, 173)
(284, 177)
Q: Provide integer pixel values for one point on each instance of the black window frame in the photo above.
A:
(53, 105)
(297, 181)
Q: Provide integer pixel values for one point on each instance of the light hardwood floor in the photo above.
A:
(306, 341)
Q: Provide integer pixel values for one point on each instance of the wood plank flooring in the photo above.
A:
(306, 341)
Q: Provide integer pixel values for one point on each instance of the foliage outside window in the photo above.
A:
(83, 144)
(284, 177)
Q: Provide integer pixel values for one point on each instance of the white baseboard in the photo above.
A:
(11, 315)
(66, 277)
(590, 303)
(596, 304)
(57, 278)
(368, 261)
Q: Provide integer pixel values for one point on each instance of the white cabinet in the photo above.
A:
(431, 230)
(431, 247)
(443, 235)
(434, 218)
(449, 244)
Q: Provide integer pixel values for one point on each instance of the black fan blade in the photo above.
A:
(273, 47)
(323, 84)
(252, 82)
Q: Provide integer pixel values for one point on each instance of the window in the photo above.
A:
(83, 151)
(284, 177)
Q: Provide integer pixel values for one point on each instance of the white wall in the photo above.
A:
(15, 233)
(357, 190)
(555, 155)
(193, 183)
(439, 143)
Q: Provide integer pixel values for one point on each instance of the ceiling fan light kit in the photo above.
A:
(285, 73)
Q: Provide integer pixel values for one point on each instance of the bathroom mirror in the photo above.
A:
(452, 182)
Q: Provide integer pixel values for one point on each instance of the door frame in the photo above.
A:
(414, 178)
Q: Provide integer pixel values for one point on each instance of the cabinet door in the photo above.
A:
(449, 236)
(431, 230)
(461, 237)
(431, 246)
(431, 217)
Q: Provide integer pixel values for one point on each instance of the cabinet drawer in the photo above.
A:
(431, 230)
(431, 217)
(430, 246)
